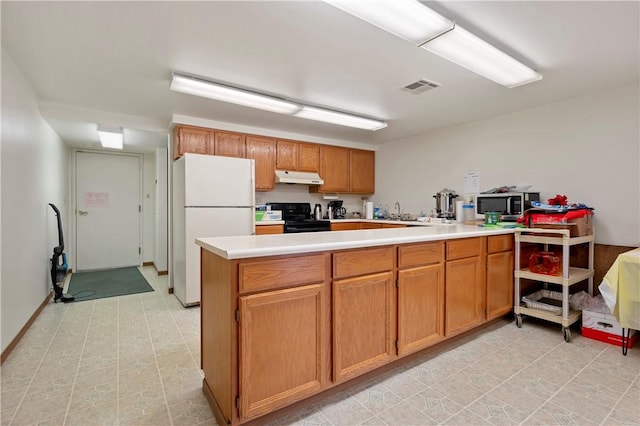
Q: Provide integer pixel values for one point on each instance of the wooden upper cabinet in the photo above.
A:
(362, 171)
(191, 139)
(229, 144)
(308, 157)
(298, 156)
(286, 155)
(334, 168)
(263, 151)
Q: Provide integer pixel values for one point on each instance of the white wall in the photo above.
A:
(160, 255)
(587, 148)
(35, 164)
(148, 205)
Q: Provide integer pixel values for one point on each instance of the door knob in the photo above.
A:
(83, 212)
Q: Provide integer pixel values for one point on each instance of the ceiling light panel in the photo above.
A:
(207, 89)
(407, 19)
(465, 49)
(111, 137)
(335, 117)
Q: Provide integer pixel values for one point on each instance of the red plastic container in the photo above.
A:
(545, 262)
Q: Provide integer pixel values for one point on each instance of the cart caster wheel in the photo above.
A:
(566, 333)
(519, 321)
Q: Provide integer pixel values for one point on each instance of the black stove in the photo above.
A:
(297, 218)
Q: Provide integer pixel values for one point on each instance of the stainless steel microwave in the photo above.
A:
(511, 205)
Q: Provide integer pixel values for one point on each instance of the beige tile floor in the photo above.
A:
(133, 360)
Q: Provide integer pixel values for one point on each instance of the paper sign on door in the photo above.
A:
(96, 199)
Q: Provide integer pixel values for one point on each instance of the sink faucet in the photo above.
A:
(397, 207)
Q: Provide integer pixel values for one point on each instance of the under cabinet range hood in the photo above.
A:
(304, 178)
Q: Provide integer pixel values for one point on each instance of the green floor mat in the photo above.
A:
(107, 283)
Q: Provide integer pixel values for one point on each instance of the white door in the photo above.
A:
(107, 210)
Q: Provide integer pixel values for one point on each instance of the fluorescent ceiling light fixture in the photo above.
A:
(220, 92)
(328, 116)
(413, 21)
(465, 49)
(408, 19)
(111, 137)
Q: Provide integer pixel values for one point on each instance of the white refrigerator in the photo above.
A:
(212, 197)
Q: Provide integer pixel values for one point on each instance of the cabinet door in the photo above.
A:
(334, 169)
(263, 150)
(363, 324)
(286, 155)
(190, 139)
(282, 339)
(308, 157)
(362, 171)
(228, 144)
(499, 284)
(420, 307)
(464, 295)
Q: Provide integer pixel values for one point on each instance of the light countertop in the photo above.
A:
(308, 242)
(270, 222)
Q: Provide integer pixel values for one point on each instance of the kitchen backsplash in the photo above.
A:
(300, 194)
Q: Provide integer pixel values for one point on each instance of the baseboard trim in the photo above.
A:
(23, 330)
(148, 264)
(170, 290)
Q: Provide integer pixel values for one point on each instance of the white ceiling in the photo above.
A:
(111, 62)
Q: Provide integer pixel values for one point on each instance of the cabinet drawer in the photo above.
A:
(269, 229)
(279, 273)
(420, 254)
(465, 247)
(349, 226)
(360, 262)
(498, 243)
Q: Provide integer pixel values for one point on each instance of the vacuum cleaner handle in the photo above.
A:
(60, 247)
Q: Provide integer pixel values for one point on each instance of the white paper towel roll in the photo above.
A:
(459, 212)
(368, 214)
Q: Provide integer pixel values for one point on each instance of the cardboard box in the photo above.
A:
(612, 339)
(600, 321)
(578, 227)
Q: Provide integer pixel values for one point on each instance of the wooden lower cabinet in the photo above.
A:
(500, 260)
(282, 348)
(363, 324)
(420, 307)
(276, 330)
(464, 285)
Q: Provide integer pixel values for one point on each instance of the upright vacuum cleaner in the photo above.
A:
(59, 270)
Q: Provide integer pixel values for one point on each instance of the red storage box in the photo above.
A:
(578, 221)
(603, 336)
(545, 262)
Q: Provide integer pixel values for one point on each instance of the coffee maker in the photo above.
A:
(337, 209)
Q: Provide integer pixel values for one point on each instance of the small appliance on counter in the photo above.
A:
(510, 205)
(445, 207)
(337, 210)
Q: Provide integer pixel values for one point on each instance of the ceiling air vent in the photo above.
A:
(420, 86)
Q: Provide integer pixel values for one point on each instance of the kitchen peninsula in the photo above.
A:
(285, 317)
